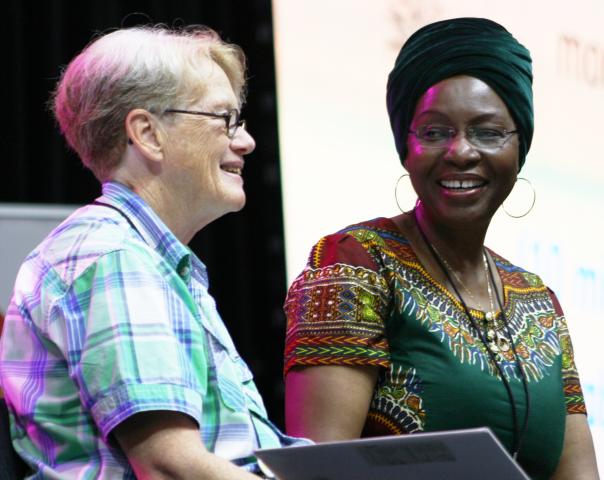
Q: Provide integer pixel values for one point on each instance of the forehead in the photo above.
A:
(463, 99)
(211, 88)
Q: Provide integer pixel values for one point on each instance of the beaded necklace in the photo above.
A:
(518, 433)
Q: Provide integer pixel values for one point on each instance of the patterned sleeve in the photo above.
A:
(573, 394)
(337, 307)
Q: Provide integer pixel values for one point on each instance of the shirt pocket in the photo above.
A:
(255, 403)
(231, 375)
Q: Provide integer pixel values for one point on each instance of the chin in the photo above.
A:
(237, 204)
(461, 217)
(470, 218)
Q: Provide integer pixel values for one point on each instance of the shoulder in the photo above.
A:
(527, 286)
(359, 244)
(517, 277)
(79, 242)
(378, 230)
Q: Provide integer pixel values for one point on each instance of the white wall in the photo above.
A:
(22, 227)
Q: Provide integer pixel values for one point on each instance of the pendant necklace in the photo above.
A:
(496, 358)
(498, 341)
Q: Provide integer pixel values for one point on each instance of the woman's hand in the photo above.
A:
(328, 402)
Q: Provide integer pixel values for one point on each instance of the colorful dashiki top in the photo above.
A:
(365, 299)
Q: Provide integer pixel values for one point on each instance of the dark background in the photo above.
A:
(244, 252)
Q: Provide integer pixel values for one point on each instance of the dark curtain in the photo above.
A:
(243, 251)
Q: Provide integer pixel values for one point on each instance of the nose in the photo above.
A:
(461, 151)
(242, 142)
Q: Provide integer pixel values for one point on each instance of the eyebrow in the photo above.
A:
(476, 119)
(225, 105)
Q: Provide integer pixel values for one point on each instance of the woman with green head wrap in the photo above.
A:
(410, 324)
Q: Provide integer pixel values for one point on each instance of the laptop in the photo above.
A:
(472, 454)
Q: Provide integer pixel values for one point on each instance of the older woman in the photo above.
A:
(409, 324)
(114, 359)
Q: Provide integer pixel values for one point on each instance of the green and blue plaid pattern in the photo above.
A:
(111, 316)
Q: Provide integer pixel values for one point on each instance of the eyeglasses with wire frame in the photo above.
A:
(232, 118)
(441, 136)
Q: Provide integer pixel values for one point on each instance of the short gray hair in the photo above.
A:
(148, 67)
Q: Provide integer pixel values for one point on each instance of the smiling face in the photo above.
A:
(459, 184)
(205, 165)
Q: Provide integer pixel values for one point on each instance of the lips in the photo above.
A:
(235, 170)
(462, 184)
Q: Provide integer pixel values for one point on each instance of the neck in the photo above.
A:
(462, 246)
(167, 206)
(152, 182)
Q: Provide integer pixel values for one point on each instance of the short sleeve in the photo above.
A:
(130, 333)
(337, 307)
(573, 394)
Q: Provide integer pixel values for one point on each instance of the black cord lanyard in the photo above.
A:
(518, 363)
(518, 435)
(103, 204)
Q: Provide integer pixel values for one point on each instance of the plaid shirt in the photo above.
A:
(111, 316)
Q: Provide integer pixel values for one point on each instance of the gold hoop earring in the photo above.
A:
(404, 175)
(534, 198)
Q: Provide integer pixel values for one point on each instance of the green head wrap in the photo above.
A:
(476, 47)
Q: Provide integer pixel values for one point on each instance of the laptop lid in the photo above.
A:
(456, 454)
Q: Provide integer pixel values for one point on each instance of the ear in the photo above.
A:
(144, 133)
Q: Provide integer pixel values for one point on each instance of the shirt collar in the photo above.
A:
(151, 228)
